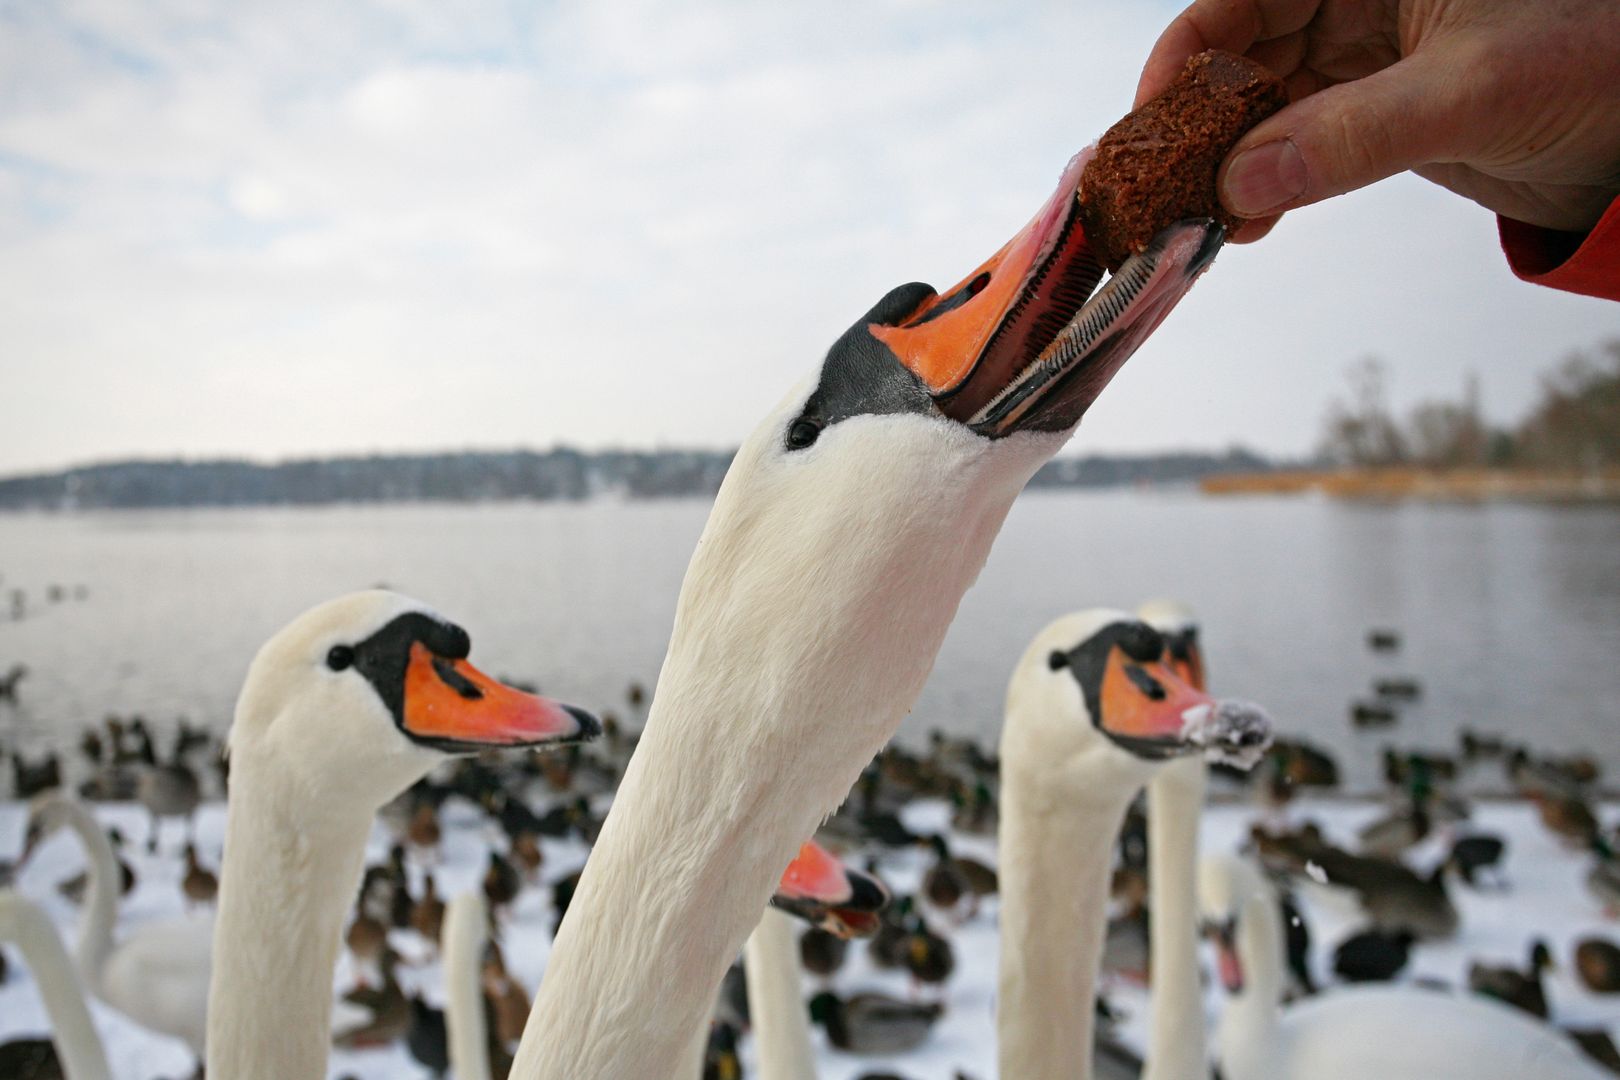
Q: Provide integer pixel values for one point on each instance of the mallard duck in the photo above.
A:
(502, 883)
(928, 956)
(1570, 816)
(200, 884)
(953, 878)
(427, 915)
(527, 855)
(887, 947)
(1521, 989)
(390, 1009)
(1395, 832)
(423, 833)
(367, 939)
(508, 1001)
(1471, 854)
(720, 1060)
(427, 1038)
(874, 1023)
(1598, 963)
(1372, 956)
(822, 953)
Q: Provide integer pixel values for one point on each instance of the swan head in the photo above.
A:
(825, 893)
(1021, 343)
(1095, 695)
(1230, 889)
(361, 696)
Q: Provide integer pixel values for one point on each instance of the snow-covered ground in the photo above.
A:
(1544, 896)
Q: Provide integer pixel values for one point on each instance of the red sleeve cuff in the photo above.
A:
(1588, 264)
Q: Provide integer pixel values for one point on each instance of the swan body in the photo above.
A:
(1390, 1032)
(78, 1046)
(156, 974)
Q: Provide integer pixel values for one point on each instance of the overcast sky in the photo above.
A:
(293, 228)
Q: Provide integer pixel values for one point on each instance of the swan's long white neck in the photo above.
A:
(817, 599)
(1176, 1048)
(30, 929)
(775, 1004)
(289, 875)
(1056, 851)
(466, 918)
(101, 901)
(1250, 1021)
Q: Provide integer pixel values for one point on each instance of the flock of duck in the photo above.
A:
(839, 546)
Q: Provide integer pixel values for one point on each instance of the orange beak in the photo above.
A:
(825, 893)
(1017, 346)
(452, 705)
(1151, 710)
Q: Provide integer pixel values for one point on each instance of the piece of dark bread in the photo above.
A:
(1157, 166)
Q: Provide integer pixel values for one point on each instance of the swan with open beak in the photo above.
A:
(849, 526)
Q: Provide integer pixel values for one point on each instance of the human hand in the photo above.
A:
(1514, 104)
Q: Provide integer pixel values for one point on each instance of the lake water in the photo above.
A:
(1510, 615)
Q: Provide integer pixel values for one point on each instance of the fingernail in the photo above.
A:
(1264, 178)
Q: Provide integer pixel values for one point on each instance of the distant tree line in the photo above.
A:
(1574, 424)
(481, 476)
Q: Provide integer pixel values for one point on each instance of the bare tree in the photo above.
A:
(1359, 430)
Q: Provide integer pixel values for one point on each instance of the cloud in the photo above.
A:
(297, 228)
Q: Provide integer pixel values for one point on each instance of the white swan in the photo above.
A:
(847, 529)
(156, 974)
(78, 1047)
(1389, 1032)
(342, 710)
(818, 889)
(1178, 1045)
(1093, 712)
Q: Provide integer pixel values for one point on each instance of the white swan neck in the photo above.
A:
(288, 878)
(1055, 860)
(466, 922)
(1250, 1021)
(101, 900)
(776, 1007)
(77, 1044)
(1177, 1047)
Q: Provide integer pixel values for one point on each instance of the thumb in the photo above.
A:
(1342, 138)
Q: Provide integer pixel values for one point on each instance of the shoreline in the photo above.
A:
(1468, 485)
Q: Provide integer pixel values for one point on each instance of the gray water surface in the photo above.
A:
(1510, 614)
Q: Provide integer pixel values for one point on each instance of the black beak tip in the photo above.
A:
(589, 726)
(867, 893)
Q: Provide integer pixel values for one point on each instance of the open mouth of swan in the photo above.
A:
(830, 896)
(1022, 343)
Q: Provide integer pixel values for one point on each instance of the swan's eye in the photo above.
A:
(802, 432)
(340, 657)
